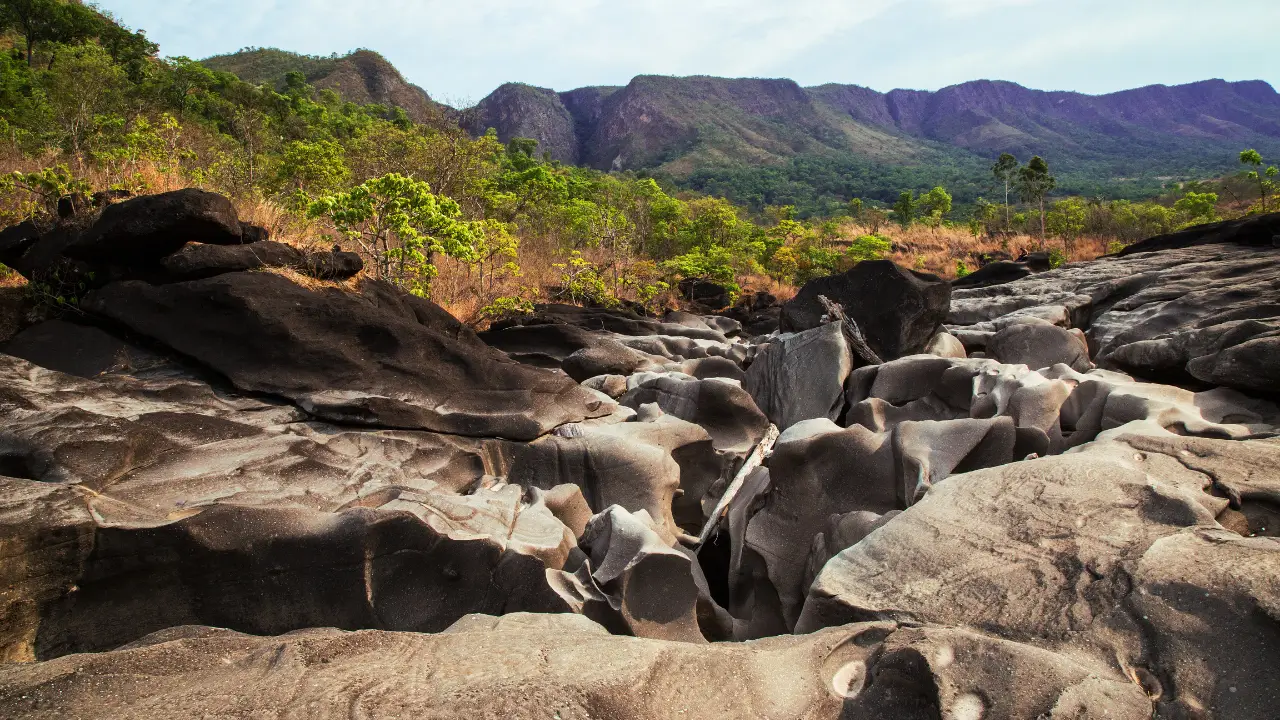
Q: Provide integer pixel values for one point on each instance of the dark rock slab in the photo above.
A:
(997, 273)
(200, 261)
(150, 227)
(898, 310)
(366, 359)
(1254, 231)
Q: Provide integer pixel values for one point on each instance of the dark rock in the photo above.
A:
(801, 377)
(723, 409)
(705, 293)
(81, 350)
(198, 261)
(150, 227)
(250, 233)
(997, 273)
(898, 310)
(545, 345)
(1252, 231)
(350, 358)
(103, 198)
(1036, 261)
(1040, 345)
(15, 240)
(606, 358)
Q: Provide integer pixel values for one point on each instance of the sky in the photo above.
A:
(461, 50)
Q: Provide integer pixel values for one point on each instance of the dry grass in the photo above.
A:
(937, 250)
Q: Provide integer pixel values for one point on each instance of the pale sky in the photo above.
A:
(460, 50)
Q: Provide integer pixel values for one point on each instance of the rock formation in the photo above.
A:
(225, 493)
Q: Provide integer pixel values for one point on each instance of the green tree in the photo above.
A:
(904, 210)
(1006, 171)
(313, 168)
(45, 21)
(1034, 182)
(1197, 208)
(401, 226)
(84, 88)
(935, 205)
(1066, 219)
(855, 208)
(1266, 179)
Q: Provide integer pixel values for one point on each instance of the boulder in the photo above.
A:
(1111, 553)
(720, 406)
(483, 668)
(898, 310)
(1199, 311)
(147, 228)
(405, 561)
(659, 464)
(704, 293)
(373, 359)
(606, 357)
(196, 261)
(997, 273)
(1040, 345)
(632, 580)
(801, 377)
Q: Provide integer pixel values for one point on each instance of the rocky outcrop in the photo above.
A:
(1202, 311)
(379, 498)
(898, 310)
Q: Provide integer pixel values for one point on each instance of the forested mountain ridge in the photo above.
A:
(768, 142)
(706, 131)
(362, 77)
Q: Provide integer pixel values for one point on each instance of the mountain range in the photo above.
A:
(766, 140)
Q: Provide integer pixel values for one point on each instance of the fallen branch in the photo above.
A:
(754, 461)
(851, 331)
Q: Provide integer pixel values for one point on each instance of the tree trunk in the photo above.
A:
(1042, 222)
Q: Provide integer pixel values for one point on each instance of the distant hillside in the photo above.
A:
(771, 140)
(361, 77)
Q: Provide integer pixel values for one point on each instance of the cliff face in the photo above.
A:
(516, 110)
(679, 123)
(362, 77)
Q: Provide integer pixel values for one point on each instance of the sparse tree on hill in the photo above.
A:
(1266, 179)
(855, 208)
(905, 209)
(1006, 171)
(935, 205)
(1034, 182)
(41, 21)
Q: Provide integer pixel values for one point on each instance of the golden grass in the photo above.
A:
(937, 250)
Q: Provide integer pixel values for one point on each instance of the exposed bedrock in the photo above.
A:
(228, 491)
(1200, 306)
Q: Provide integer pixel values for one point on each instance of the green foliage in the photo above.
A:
(582, 282)
(1006, 172)
(43, 188)
(869, 247)
(962, 270)
(1267, 182)
(1197, 208)
(1067, 218)
(935, 205)
(1057, 258)
(508, 306)
(1034, 182)
(904, 210)
(398, 221)
(313, 167)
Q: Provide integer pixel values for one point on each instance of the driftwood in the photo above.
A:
(754, 460)
(851, 330)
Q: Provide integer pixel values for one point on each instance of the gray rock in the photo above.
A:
(801, 377)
